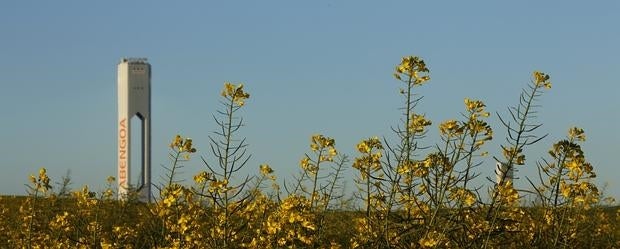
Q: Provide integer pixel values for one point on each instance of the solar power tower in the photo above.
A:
(134, 99)
(503, 173)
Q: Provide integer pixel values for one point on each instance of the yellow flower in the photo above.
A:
(322, 141)
(333, 152)
(363, 147)
(42, 172)
(334, 245)
(508, 193)
(265, 169)
(431, 239)
(235, 93)
(450, 128)
(369, 161)
(202, 177)
(565, 189)
(520, 160)
(418, 123)
(33, 179)
(219, 186)
(470, 199)
(182, 222)
(183, 145)
(228, 90)
(43, 182)
(549, 218)
(314, 147)
(428, 242)
(511, 153)
(541, 80)
(305, 163)
(176, 142)
(412, 66)
(463, 195)
(474, 105)
(577, 133)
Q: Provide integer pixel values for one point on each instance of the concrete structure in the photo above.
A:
(501, 169)
(134, 99)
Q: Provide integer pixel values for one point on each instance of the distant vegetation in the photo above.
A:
(408, 195)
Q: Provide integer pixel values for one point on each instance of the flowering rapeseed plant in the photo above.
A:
(414, 196)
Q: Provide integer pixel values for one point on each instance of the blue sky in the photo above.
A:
(310, 67)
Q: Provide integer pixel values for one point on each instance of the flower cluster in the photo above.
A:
(42, 182)
(541, 80)
(577, 134)
(319, 142)
(202, 177)
(433, 240)
(219, 186)
(476, 106)
(324, 148)
(451, 128)
(418, 123)
(414, 69)
(182, 145)
(370, 161)
(291, 225)
(477, 126)
(235, 93)
(507, 193)
(462, 195)
(182, 148)
(419, 168)
(514, 155)
(265, 169)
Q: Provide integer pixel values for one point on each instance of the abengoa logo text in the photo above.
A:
(122, 154)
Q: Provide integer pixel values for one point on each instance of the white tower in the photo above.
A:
(501, 170)
(134, 98)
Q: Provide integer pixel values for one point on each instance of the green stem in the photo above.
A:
(314, 181)
(368, 193)
(518, 146)
(225, 166)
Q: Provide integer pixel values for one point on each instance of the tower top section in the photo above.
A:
(132, 60)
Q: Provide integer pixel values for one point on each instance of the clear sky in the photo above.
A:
(310, 67)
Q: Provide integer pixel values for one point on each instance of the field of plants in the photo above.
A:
(406, 196)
